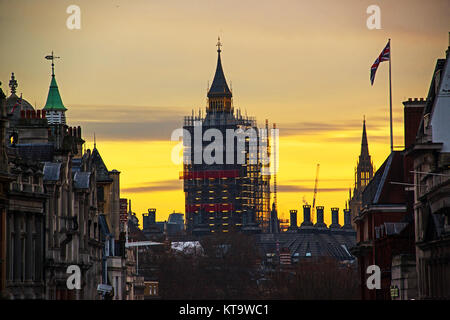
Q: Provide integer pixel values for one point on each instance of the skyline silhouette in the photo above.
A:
(132, 75)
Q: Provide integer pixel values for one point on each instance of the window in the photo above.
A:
(100, 193)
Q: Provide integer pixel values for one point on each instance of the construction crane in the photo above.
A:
(304, 200)
(275, 169)
(315, 192)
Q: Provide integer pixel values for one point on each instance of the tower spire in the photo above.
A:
(364, 144)
(54, 105)
(219, 95)
(219, 44)
(364, 171)
(219, 87)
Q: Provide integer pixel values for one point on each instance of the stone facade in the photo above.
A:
(431, 154)
(52, 196)
(404, 277)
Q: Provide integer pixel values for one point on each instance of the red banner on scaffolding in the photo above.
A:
(209, 174)
(209, 207)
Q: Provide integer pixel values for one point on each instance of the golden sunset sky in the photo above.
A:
(135, 68)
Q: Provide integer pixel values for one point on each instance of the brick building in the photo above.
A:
(385, 224)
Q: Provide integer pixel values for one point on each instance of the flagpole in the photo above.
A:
(390, 95)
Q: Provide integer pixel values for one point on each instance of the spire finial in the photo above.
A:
(52, 57)
(219, 44)
(95, 144)
(13, 83)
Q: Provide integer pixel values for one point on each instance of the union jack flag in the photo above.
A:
(385, 55)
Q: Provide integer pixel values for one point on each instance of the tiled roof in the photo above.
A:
(219, 87)
(102, 170)
(380, 189)
(310, 242)
(82, 180)
(440, 63)
(54, 101)
(52, 171)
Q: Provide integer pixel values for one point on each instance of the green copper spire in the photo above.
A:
(54, 101)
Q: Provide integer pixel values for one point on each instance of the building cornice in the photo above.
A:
(382, 208)
(424, 147)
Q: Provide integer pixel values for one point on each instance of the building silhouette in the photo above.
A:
(307, 240)
(59, 206)
(363, 174)
(224, 194)
(431, 183)
(385, 223)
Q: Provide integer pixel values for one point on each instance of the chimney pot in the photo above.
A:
(335, 218)
(293, 218)
(412, 118)
(319, 213)
(306, 215)
(347, 219)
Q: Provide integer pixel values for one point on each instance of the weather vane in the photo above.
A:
(218, 44)
(52, 57)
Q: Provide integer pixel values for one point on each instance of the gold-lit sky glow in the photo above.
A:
(135, 68)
